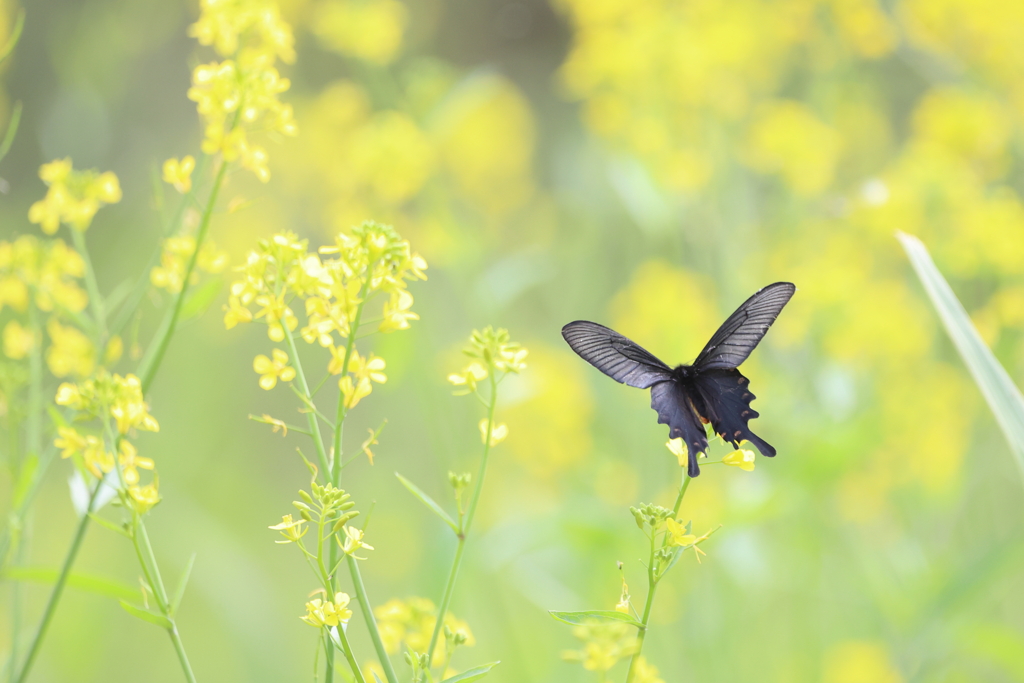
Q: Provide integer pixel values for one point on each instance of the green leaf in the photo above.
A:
(180, 593)
(376, 677)
(200, 299)
(1003, 397)
(429, 502)
(25, 478)
(84, 582)
(144, 614)
(474, 674)
(107, 524)
(595, 615)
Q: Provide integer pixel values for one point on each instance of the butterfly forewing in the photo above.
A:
(745, 328)
(616, 356)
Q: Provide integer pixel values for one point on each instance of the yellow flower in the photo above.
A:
(128, 457)
(678, 535)
(143, 498)
(370, 30)
(73, 197)
(236, 313)
(179, 173)
(291, 530)
(412, 622)
(174, 259)
(97, 459)
(498, 432)
(357, 385)
(70, 351)
(18, 341)
(68, 395)
(646, 672)
(128, 408)
(742, 458)
(353, 542)
(272, 370)
(467, 380)
(328, 612)
(604, 644)
(69, 441)
(678, 449)
(396, 312)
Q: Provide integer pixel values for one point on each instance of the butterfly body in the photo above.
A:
(710, 390)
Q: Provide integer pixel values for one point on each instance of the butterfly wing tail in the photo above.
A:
(766, 448)
(675, 409)
(726, 395)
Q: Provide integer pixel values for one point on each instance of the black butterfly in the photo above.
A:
(711, 390)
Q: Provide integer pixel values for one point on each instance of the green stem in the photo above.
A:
(127, 310)
(314, 426)
(652, 586)
(371, 622)
(449, 588)
(151, 363)
(682, 492)
(340, 422)
(58, 588)
(652, 583)
(160, 592)
(334, 473)
(349, 656)
(91, 286)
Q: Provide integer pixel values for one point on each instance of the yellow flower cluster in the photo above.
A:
(672, 83)
(44, 272)
(454, 146)
(320, 612)
(108, 397)
(97, 459)
(73, 197)
(411, 622)
(241, 94)
(71, 353)
(174, 260)
(604, 644)
(494, 355)
(370, 30)
(335, 285)
(179, 173)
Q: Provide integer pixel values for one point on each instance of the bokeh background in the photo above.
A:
(646, 165)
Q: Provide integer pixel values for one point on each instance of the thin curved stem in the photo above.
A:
(151, 363)
(371, 622)
(464, 527)
(58, 587)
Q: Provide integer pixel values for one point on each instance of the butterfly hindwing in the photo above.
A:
(675, 409)
(620, 358)
(743, 330)
(726, 397)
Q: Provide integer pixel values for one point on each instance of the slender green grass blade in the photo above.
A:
(1003, 397)
(83, 582)
(428, 501)
(146, 615)
(474, 674)
(595, 615)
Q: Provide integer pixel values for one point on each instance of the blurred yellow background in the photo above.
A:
(646, 165)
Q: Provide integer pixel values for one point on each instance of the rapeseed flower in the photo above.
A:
(73, 197)
(272, 370)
